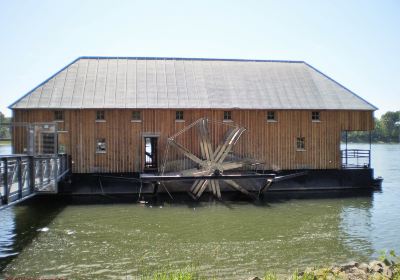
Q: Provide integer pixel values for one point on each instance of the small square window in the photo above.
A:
(315, 116)
(271, 116)
(227, 115)
(136, 116)
(179, 115)
(301, 144)
(101, 145)
(61, 148)
(58, 115)
(100, 116)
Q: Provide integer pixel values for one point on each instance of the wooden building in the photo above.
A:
(107, 108)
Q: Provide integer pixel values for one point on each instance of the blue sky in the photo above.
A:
(357, 43)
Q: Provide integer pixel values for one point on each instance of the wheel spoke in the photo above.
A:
(202, 188)
(186, 152)
(217, 189)
(226, 147)
(194, 172)
(238, 187)
(205, 141)
(198, 185)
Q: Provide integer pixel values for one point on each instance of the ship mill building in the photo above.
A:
(107, 110)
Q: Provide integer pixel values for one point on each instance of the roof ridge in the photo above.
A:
(189, 58)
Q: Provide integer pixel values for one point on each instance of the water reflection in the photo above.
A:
(7, 233)
(5, 149)
(236, 241)
(355, 226)
(20, 225)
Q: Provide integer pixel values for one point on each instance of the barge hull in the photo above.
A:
(314, 180)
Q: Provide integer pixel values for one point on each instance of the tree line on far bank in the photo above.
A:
(387, 130)
(4, 131)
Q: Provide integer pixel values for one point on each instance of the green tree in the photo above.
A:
(390, 131)
(4, 129)
(385, 130)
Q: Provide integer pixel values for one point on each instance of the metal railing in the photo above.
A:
(356, 158)
(21, 176)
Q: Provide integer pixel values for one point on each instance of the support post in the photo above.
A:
(19, 176)
(370, 147)
(31, 172)
(56, 174)
(347, 156)
(40, 172)
(5, 182)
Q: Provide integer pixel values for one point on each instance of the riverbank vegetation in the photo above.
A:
(5, 142)
(386, 268)
(4, 131)
(387, 130)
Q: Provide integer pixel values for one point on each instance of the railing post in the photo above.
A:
(5, 182)
(31, 171)
(19, 176)
(56, 174)
(40, 172)
(346, 151)
(369, 158)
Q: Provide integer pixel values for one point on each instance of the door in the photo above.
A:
(48, 143)
(150, 153)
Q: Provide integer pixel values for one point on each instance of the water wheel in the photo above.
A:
(195, 152)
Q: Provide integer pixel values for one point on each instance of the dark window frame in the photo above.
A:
(300, 143)
(100, 115)
(58, 115)
(227, 115)
(179, 115)
(316, 116)
(101, 146)
(136, 116)
(271, 116)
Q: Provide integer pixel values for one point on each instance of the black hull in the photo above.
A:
(313, 181)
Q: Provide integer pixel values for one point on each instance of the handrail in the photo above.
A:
(25, 175)
(356, 158)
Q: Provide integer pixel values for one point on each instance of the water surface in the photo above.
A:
(5, 149)
(234, 239)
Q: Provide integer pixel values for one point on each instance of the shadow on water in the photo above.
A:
(20, 224)
(228, 198)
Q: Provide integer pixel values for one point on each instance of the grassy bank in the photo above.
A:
(387, 268)
(5, 143)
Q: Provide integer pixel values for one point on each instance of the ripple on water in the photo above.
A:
(111, 241)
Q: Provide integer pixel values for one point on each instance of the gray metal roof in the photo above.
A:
(133, 82)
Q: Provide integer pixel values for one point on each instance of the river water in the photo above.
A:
(233, 239)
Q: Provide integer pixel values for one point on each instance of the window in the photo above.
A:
(48, 144)
(301, 144)
(315, 116)
(58, 115)
(61, 148)
(100, 116)
(179, 115)
(101, 145)
(136, 116)
(271, 116)
(227, 115)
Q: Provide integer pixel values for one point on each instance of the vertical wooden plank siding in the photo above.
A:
(272, 142)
